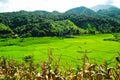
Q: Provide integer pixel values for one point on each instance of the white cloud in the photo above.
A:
(116, 3)
(50, 5)
(109, 2)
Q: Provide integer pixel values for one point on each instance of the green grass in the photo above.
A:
(70, 49)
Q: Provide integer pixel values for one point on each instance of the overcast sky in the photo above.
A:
(51, 5)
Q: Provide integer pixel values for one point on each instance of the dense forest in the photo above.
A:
(80, 20)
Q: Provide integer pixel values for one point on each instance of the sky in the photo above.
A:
(51, 5)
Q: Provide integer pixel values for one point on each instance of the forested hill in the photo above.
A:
(75, 21)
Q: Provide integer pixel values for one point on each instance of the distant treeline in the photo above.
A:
(42, 23)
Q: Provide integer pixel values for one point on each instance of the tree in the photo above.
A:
(5, 31)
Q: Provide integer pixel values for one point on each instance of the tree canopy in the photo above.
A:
(43, 23)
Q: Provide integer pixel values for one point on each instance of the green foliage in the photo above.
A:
(75, 21)
(48, 28)
(5, 31)
(81, 11)
(28, 59)
(117, 36)
(102, 24)
(112, 12)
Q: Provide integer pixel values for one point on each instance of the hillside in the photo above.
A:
(101, 7)
(112, 12)
(5, 31)
(73, 22)
(81, 11)
(48, 28)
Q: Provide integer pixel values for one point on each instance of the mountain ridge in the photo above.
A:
(101, 7)
(74, 21)
(81, 11)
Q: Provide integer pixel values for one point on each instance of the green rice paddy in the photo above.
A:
(69, 50)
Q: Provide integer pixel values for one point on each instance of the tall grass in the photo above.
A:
(51, 70)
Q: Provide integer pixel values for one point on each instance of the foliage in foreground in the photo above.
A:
(47, 70)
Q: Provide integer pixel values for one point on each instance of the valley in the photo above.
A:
(70, 50)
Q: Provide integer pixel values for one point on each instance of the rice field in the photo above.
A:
(69, 50)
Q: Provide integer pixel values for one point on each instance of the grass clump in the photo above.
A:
(51, 70)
